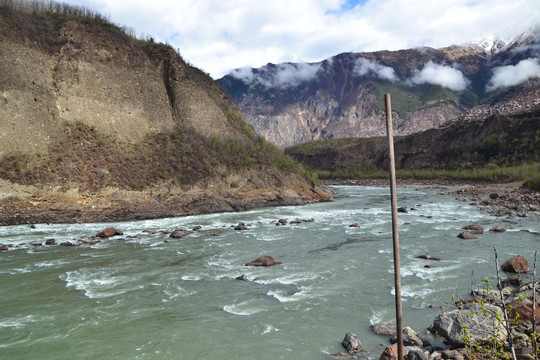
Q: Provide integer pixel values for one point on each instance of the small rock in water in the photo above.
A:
(108, 232)
(3, 248)
(355, 225)
(351, 343)
(50, 242)
(498, 228)
(241, 226)
(475, 229)
(197, 228)
(402, 210)
(67, 243)
(177, 234)
(467, 235)
(242, 277)
(264, 260)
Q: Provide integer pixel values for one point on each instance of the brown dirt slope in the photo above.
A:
(96, 125)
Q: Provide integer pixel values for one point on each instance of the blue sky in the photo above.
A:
(219, 36)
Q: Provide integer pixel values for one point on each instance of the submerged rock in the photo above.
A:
(264, 260)
(429, 257)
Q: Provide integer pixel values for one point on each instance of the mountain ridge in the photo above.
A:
(292, 103)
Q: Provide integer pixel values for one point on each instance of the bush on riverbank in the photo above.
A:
(528, 173)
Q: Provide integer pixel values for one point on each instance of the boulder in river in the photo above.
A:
(475, 229)
(351, 343)
(264, 260)
(516, 264)
(241, 226)
(4, 248)
(50, 242)
(67, 243)
(177, 234)
(355, 225)
(402, 209)
(467, 235)
(108, 232)
(498, 228)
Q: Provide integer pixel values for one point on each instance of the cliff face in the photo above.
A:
(343, 96)
(102, 126)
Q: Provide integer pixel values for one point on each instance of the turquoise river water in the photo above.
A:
(144, 295)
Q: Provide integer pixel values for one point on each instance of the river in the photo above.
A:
(144, 295)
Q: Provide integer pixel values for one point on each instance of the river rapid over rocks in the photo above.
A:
(140, 293)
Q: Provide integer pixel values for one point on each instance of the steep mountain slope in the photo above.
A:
(343, 96)
(96, 125)
(497, 139)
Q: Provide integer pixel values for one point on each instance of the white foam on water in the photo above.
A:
(244, 308)
(268, 329)
(191, 278)
(16, 271)
(18, 322)
(376, 316)
(95, 284)
(284, 296)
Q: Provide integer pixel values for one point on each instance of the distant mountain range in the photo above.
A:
(342, 96)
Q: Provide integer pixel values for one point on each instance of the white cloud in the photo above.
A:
(442, 75)
(218, 36)
(510, 75)
(364, 66)
(284, 75)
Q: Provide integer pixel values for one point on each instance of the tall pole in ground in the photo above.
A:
(395, 232)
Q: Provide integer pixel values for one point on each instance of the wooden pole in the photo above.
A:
(395, 232)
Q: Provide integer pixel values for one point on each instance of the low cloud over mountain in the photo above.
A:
(364, 66)
(443, 75)
(278, 76)
(512, 75)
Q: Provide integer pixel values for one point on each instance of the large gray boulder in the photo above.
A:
(479, 320)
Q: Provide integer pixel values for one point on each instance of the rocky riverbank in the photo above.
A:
(499, 199)
(21, 204)
(471, 328)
